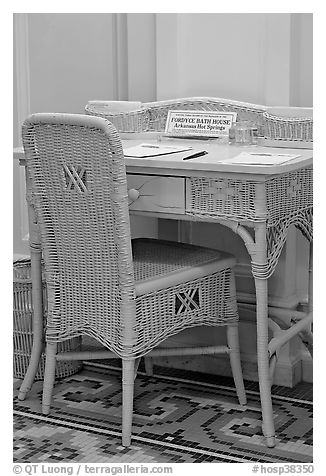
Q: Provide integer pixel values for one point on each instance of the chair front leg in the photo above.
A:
(232, 332)
(49, 376)
(128, 378)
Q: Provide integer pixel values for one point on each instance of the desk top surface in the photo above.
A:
(209, 163)
(212, 162)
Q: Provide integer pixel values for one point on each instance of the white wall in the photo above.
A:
(302, 59)
(227, 58)
(71, 60)
(255, 57)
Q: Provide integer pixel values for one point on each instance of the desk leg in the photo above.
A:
(37, 299)
(263, 361)
(257, 249)
(261, 284)
(310, 292)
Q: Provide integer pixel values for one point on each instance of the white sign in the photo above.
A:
(199, 123)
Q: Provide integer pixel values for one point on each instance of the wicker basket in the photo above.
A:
(287, 128)
(22, 327)
(129, 121)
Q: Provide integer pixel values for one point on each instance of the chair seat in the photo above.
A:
(162, 264)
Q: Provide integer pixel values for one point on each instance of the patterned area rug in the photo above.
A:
(175, 420)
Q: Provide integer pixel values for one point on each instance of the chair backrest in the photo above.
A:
(78, 186)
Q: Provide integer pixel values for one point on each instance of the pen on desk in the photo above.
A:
(195, 156)
(267, 155)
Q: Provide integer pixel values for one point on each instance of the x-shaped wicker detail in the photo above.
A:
(187, 301)
(75, 178)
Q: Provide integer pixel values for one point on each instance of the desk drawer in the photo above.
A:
(150, 193)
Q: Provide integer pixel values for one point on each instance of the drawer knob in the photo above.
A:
(133, 194)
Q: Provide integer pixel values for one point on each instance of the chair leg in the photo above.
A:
(49, 376)
(232, 332)
(148, 366)
(128, 370)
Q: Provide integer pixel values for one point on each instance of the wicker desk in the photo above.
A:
(259, 203)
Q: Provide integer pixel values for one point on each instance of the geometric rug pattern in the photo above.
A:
(175, 420)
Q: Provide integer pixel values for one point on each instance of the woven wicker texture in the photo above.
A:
(224, 198)
(286, 194)
(152, 117)
(287, 128)
(186, 303)
(192, 304)
(154, 259)
(23, 329)
(80, 196)
(280, 202)
(131, 121)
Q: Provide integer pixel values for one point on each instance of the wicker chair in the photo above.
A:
(128, 295)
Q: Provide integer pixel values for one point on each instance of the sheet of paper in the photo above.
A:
(260, 158)
(152, 150)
